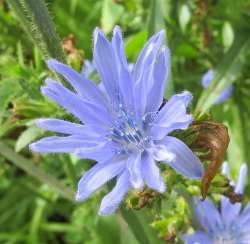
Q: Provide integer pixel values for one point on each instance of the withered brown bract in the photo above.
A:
(213, 136)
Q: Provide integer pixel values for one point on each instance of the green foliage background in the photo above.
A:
(36, 190)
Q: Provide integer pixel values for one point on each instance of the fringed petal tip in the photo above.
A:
(33, 147)
(225, 168)
(162, 188)
(49, 84)
(107, 210)
(138, 185)
(187, 97)
(161, 34)
(244, 168)
(97, 33)
(40, 122)
(36, 147)
(79, 197)
(51, 63)
(242, 178)
(117, 30)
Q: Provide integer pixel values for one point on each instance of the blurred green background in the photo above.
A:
(35, 206)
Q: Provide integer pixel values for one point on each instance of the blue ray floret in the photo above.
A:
(122, 126)
(206, 80)
(230, 225)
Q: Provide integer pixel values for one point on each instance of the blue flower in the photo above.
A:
(207, 78)
(230, 225)
(122, 126)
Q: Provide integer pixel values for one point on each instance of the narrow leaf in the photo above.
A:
(226, 72)
(35, 172)
(156, 18)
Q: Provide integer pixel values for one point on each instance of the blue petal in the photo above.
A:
(172, 116)
(144, 78)
(207, 214)
(112, 200)
(184, 162)
(96, 177)
(118, 47)
(84, 87)
(100, 153)
(139, 94)
(229, 211)
(60, 144)
(127, 88)
(207, 78)
(160, 73)
(225, 169)
(244, 217)
(198, 237)
(242, 178)
(225, 94)
(87, 112)
(147, 55)
(106, 65)
(151, 173)
(65, 127)
(134, 165)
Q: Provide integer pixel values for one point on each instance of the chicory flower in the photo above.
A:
(122, 124)
(206, 80)
(230, 225)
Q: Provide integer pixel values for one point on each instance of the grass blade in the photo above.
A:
(35, 172)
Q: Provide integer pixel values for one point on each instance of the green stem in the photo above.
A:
(17, 8)
(34, 17)
(35, 172)
(139, 223)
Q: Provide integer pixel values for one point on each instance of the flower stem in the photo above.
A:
(34, 17)
(139, 223)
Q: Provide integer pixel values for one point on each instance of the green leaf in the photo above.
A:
(35, 172)
(27, 137)
(226, 72)
(156, 18)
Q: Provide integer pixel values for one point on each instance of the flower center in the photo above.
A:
(129, 132)
(225, 238)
